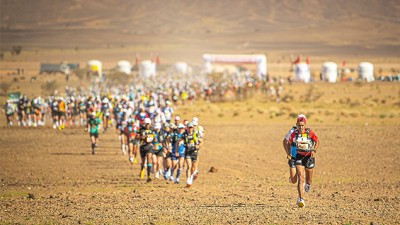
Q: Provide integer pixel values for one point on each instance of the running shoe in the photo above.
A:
(134, 160)
(141, 174)
(301, 203)
(307, 187)
(171, 178)
(195, 176)
(148, 179)
(157, 175)
(189, 182)
(176, 181)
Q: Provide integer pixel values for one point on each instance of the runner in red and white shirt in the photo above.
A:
(306, 143)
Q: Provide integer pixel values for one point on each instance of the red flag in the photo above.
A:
(308, 60)
(137, 59)
(297, 60)
(157, 60)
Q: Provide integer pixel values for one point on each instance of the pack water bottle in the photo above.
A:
(293, 150)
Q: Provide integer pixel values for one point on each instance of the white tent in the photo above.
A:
(259, 60)
(124, 66)
(181, 68)
(301, 72)
(366, 71)
(147, 69)
(329, 72)
(96, 67)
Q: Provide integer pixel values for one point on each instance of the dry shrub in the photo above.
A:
(260, 111)
(354, 114)
(312, 95)
(329, 113)
(4, 87)
(354, 104)
(50, 86)
(287, 98)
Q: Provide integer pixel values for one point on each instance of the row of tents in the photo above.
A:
(147, 68)
(329, 72)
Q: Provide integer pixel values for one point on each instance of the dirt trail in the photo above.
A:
(49, 176)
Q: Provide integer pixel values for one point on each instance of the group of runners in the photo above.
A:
(148, 129)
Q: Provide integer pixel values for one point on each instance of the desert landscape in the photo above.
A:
(49, 176)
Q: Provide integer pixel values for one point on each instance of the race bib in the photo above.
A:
(150, 138)
(191, 143)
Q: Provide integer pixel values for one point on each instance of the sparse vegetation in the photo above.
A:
(49, 87)
(16, 50)
(4, 87)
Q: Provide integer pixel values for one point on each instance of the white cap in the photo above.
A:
(180, 125)
(93, 114)
(301, 115)
(147, 121)
(195, 119)
(195, 123)
(105, 100)
(177, 118)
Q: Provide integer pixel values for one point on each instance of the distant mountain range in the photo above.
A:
(370, 27)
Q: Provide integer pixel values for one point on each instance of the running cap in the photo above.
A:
(180, 125)
(190, 124)
(302, 119)
(93, 114)
(195, 123)
(177, 118)
(195, 119)
(301, 115)
(147, 121)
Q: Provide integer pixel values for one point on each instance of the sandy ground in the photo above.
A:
(49, 176)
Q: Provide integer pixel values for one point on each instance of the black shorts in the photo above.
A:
(145, 149)
(133, 141)
(96, 135)
(61, 114)
(292, 163)
(305, 161)
(192, 156)
(168, 155)
(158, 152)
